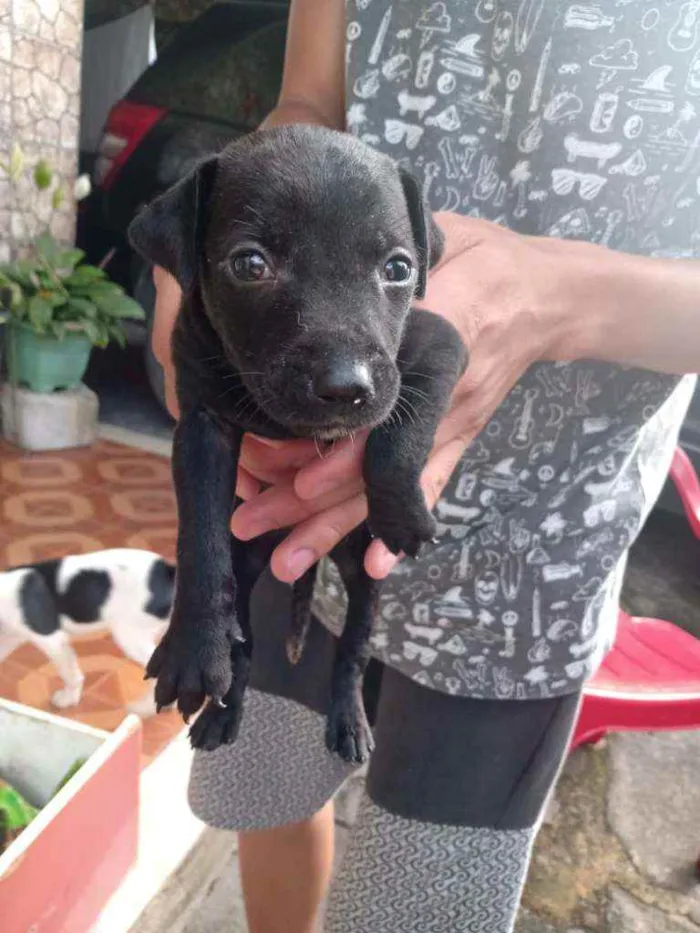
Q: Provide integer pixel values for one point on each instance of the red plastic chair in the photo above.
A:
(688, 485)
(650, 680)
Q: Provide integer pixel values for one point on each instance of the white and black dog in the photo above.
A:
(124, 591)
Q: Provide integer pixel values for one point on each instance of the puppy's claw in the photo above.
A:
(220, 703)
(216, 726)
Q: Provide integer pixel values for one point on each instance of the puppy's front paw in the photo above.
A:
(67, 696)
(217, 725)
(404, 526)
(348, 734)
(191, 663)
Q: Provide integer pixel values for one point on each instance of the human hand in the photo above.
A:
(514, 300)
(168, 297)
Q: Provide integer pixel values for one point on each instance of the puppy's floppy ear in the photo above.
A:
(426, 233)
(169, 231)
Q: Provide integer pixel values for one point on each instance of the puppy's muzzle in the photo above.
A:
(328, 392)
(342, 382)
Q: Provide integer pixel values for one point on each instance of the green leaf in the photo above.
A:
(121, 306)
(83, 275)
(74, 768)
(100, 291)
(66, 262)
(10, 293)
(46, 247)
(43, 175)
(16, 167)
(58, 329)
(57, 198)
(40, 313)
(116, 332)
(54, 298)
(82, 307)
(93, 331)
(23, 272)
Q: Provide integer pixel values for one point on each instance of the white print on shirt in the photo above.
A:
(569, 119)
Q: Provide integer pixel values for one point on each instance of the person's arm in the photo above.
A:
(313, 81)
(312, 91)
(635, 310)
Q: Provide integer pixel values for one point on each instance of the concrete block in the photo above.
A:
(654, 804)
(49, 421)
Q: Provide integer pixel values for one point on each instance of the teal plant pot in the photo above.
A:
(46, 364)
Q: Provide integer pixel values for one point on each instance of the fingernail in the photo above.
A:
(300, 561)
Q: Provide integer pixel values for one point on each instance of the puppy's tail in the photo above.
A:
(302, 594)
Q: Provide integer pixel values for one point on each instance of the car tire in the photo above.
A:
(145, 293)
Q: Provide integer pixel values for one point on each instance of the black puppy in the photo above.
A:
(299, 251)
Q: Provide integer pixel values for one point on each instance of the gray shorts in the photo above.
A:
(438, 758)
(454, 792)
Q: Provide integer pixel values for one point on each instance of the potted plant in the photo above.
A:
(56, 307)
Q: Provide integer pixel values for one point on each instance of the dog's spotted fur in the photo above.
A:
(123, 591)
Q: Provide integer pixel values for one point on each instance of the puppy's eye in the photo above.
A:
(398, 269)
(251, 266)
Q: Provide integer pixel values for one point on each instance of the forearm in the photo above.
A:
(297, 111)
(630, 309)
(313, 81)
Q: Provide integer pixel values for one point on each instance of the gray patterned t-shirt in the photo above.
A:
(578, 120)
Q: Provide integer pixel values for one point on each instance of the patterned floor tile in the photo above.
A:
(72, 502)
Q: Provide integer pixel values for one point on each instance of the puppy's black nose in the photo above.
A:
(346, 381)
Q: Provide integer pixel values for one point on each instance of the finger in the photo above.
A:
(379, 561)
(280, 507)
(247, 486)
(275, 461)
(316, 537)
(171, 402)
(167, 305)
(340, 466)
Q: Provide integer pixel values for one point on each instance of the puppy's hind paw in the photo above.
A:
(216, 726)
(67, 696)
(349, 736)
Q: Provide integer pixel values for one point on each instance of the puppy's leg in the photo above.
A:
(302, 594)
(136, 641)
(8, 643)
(218, 724)
(192, 661)
(348, 732)
(433, 359)
(59, 651)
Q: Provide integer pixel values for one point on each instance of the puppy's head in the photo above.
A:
(307, 249)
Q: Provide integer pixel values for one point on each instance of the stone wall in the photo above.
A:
(40, 46)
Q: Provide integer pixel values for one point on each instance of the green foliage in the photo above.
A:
(52, 290)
